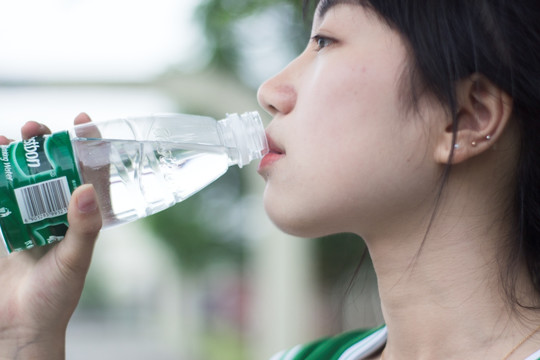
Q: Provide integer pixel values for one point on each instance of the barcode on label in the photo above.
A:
(44, 200)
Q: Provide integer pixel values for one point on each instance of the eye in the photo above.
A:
(321, 42)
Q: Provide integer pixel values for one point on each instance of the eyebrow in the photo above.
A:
(325, 5)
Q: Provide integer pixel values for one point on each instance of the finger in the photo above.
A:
(85, 131)
(4, 140)
(82, 118)
(75, 251)
(33, 128)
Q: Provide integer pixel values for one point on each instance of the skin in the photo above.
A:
(350, 156)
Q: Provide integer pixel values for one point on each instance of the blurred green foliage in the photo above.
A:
(200, 230)
(219, 19)
(339, 258)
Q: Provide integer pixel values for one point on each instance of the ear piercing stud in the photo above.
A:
(474, 143)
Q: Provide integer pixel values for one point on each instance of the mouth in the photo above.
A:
(274, 154)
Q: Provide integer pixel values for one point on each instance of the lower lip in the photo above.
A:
(269, 159)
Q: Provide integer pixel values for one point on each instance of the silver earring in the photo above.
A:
(488, 137)
(456, 146)
(473, 143)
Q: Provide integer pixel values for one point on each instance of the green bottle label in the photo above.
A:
(37, 177)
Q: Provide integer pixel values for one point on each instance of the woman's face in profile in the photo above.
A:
(347, 156)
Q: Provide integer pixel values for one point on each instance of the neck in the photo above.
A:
(441, 294)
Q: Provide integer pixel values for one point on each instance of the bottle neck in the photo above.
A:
(244, 137)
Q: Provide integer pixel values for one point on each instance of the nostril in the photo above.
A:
(277, 95)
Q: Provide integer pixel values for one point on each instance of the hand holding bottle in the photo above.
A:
(137, 165)
(41, 287)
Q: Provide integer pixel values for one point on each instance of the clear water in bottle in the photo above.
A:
(146, 176)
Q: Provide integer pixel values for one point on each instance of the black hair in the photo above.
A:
(450, 40)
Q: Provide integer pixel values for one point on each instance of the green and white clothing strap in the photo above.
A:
(354, 345)
(535, 356)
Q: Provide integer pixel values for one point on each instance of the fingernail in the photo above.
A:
(42, 127)
(86, 201)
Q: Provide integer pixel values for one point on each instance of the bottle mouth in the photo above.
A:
(257, 141)
(247, 137)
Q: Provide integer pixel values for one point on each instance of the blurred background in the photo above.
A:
(210, 278)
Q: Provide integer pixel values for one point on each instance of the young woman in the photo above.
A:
(413, 124)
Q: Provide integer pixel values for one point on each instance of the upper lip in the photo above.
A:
(273, 147)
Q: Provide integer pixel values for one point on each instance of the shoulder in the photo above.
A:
(352, 345)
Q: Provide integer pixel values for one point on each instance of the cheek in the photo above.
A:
(348, 180)
(365, 90)
(359, 113)
(331, 188)
(352, 156)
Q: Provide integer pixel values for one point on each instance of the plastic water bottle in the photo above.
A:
(138, 166)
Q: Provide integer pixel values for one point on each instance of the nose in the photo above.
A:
(277, 95)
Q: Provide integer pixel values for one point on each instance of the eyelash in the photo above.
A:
(318, 39)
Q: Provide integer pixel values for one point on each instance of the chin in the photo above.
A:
(299, 215)
(298, 226)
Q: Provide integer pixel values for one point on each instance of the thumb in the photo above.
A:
(75, 251)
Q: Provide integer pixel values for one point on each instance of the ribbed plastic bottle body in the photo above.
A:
(143, 165)
(138, 166)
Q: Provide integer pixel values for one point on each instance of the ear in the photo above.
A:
(484, 110)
